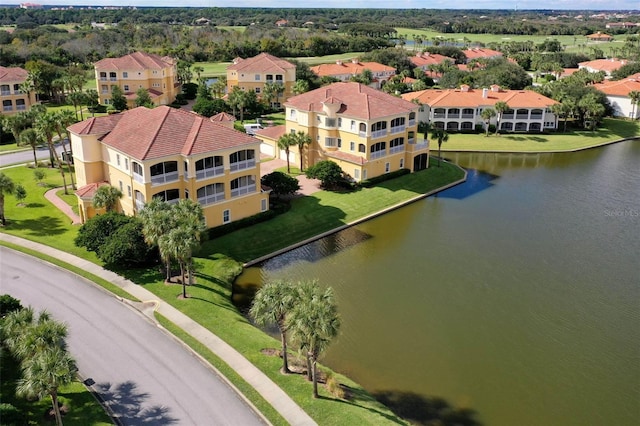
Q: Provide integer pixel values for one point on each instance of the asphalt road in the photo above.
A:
(145, 376)
(20, 157)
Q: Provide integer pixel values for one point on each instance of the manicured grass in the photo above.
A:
(316, 60)
(83, 407)
(613, 129)
(212, 69)
(13, 147)
(322, 211)
(239, 29)
(69, 198)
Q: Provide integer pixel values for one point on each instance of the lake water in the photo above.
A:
(515, 295)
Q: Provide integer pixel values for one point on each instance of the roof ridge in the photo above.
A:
(190, 140)
(157, 131)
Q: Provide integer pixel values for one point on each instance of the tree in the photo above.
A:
(285, 142)
(313, 323)
(440, 135)
(198, 70)
(143, 98)
(107, 197)
(62, 119)
(6, 187)
(365, 77)
(501, 107)
(271, 305)
(39, 175)
(45, 126)
(126, 246)
(93, 102)
(301, 86)
(95, 232)
(180, 243)
(592, 111)
(77, 98)
(487, 114)
(29, 137)
(329, 173)
(280, 183)
(270, 92)
(634, 96)
(302, 141)
(157, 221)
(20, 193)
(118, 100)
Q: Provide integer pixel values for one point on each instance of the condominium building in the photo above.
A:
(14, 100)
(254, 73)
(425, 61)
(605, 65)
(618, 95)
(170, 154)
(158, 75)
(366, 131)
(343, 71)
(461, 109)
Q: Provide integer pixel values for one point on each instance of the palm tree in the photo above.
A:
(189, 214)
(66, 118)
(271, 305)
(6, 187)
(487, 114)
(313, 323)
(501, 107)
(269, 93)
(301, 86)
(302, 140)
(76, 98)
(440, 135)
(157, 221)
(61, 117)
(44, 373)
(106, 197)
(180, 243)
(45, 126)
(198, 70)
(634, 96)
(285, 142)
(30, 137)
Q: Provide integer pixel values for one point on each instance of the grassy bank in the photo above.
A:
(612, 129)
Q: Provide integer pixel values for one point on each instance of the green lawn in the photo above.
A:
(212, 69)
(13, 147)
(613, 129)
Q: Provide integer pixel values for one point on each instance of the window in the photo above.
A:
(257, 90)
(378, 150)
(243, 185)
(263, 205)
(103, 76)
(137, 168)
(257, 77)
(211, 193)
(362, 148)
(352, 146)
(126, 164)
(125, 74)
(339, 122)
(129, 190)
(208, 167)
(126, 87)
(104, 88)
(170, 195)
(292, 131)
(226, 216)
(243, 159)
(387, 167)
(402, 163)
(118, 159)
(330, 122)
(396, 145)
(331, 142)
(356, 173)
(292, 114)
(121, 186)
(156, 84)
(353, 125)
(164, 172)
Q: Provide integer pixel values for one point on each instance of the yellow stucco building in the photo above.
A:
(366, 131)
(13, 100)
(158, 75)
(170, 154)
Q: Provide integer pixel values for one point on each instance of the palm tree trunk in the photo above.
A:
(309, 367)
(56, 409)
(286, 152)
(67, 156)
(285, 359)
(64, 178)
(2, 218)
(35, 157)
(168, 270)
(300, 149)
(184, 284)
(315, 378)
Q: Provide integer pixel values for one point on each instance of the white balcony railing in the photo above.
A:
(422, 144)
(396, 149)
(411, 141)
(362, 134)
(138, 178)
(243, 190)
(398, 129)
(209, 172)
(5, 92)
(164, 178)
(210, 199)
(412, 123)
(378, 154)
(242, 165)
(7, 108)
(379, 133)
(21, 107)
(467, 115)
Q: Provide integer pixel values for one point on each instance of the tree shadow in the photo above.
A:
(427, 411)
(128, 405)
(41, 227)
(34, 205)
(538, 139)
(477, 181)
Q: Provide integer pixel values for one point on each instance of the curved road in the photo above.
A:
(142, 374)
(20, 157)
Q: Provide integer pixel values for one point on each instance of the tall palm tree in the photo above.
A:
(66, 118)
(6, 187)
(45, 126)
(157, 221)
(501, 107)
(271, 305)
(634, 96)
(189, 215)
(181, 243)
(44, 373)
(76, 98)
(60, 118)
(440, 135)
(302, 140)
(29, 137)
(106, 197)
(313, 323)
(285, 142)
(198, 70)
(269, 93)
(487, 114)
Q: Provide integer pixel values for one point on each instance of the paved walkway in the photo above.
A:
(251, 374)
(61, 205)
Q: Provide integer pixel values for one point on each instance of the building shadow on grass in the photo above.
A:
(421, 410)
(41, 227)
(127, 404)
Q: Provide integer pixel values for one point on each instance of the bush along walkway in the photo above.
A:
(271, 392)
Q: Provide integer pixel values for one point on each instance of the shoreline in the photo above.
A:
(554, 151)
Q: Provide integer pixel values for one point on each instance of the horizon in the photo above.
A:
(510, 5)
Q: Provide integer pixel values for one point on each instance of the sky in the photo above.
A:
(362, 4)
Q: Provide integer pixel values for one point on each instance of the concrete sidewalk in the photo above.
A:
(251, 374)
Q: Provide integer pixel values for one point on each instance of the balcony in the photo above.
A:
(362, 134)
(412, 123)
(535, 117)
(453, 115)
(411, 141)
(422, 144)
(507, 116)
(243, 190)
(398, 129)
(7, 108)
(396, 149)
(209, 173)
(113, 79)
(439, 115)
(138, 178)
(5, 92)
(164, 178)
(378, 154)
(21, 107)
(103, 78)
(522, 116)
(242, 165)
(467, 115)
(379, 133)
(210, 199)
(139, 205)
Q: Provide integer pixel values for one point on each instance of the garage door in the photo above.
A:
(266, 149)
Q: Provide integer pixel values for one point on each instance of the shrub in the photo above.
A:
(281, 183)
(190, 90)
(95, 232)
(219, 231)
(333, 386)
(8, 304)
(127, 247)
(329, 173)
(10, 415)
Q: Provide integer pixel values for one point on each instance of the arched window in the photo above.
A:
(210, 193)
(244, 159)
(164, 172)
(209, 167)
(243, 185)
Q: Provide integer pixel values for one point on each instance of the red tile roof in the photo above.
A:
(352, 67)
(602, 64)
(13, 74)
(357, 101)
(345, 156)
(477, 52)
(263, 62)
(619, 88)
(222, 117)
(139, 61)
(273, 132)
(88, 191)
(426, 59)
(146, 133)
(473, 98)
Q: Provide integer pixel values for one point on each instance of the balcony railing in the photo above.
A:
(241, 165)
(422, 144)
(173, 201)
(450, 115)
(5, 92)
(379, 133)
(164, 178)
(138, 178)
(7, 108)
(139, 205)
(412, 123)
(243, 190)
(210, 199)
(209, 172)
(535, 117)
(21, 107)
(411, 141)
(103, 78)
(396, 149)
(467, 116)
(398, 129)
(113, 79)
(362, 134)
(522, 116)
(507, 116)
(378, 154)
(439, 115)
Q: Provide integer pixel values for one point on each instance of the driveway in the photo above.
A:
(269, 164)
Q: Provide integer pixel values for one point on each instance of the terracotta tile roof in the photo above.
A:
(619, 88)
(602, 64)
(13, 74)
(273, 132)
(137, 61)
(568, 71)
(477, 52)
(472, 98)
(263, 62)
(222, 117)
(95, 125)
(352, 67)
(357, 101)
(426, 59)
(153, 93)
(88, 191)
(599, 36)
(345, 156)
